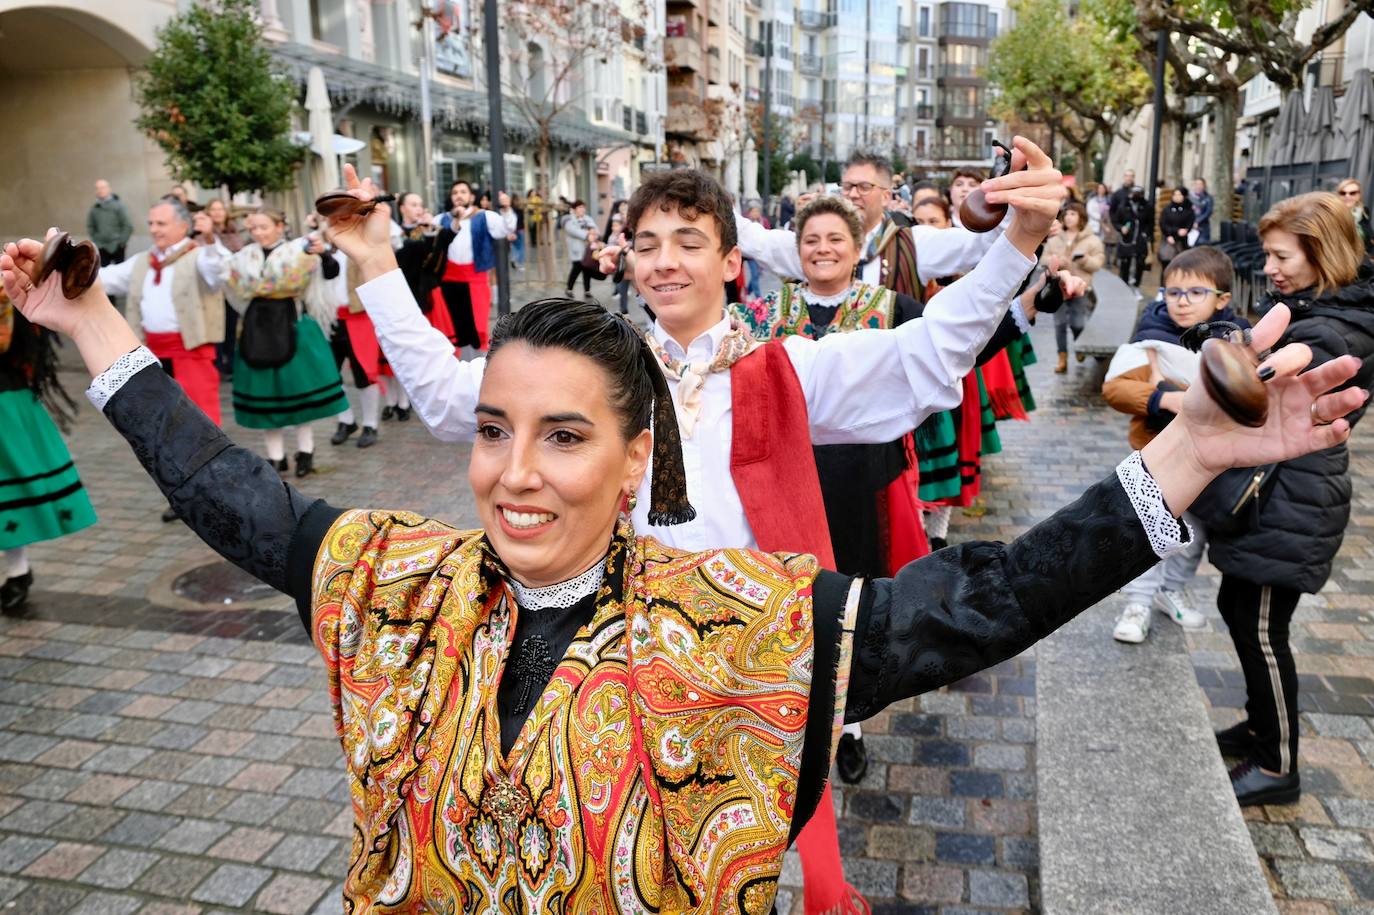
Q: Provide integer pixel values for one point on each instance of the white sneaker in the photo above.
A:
(1176, 606)
(1133, 625)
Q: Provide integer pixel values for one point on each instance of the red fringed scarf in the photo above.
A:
(970, 437)
(774, 470)
(1002, 392)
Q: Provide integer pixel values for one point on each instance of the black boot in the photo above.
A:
(169, 515)
(368, 438)
(1236, 741)
(938, 543)
(342, 433)
(1253, 786)
(388, 412)
(305, 463)
(281, 465)
(851, 759)
(14, 593)
(402, 414)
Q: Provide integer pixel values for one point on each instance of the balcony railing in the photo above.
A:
(1329, 71)
(919, 112)
(809, 64)
(685, 97)
(687, 120)
(813, 19)
(682, 52)
(757, 48)
(903, 33)
(961, 71)
(627, 118)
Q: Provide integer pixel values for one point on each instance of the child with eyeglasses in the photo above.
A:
(1146, 379)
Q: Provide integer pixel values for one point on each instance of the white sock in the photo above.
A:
(370, 399)
(346, 417)
(18, 561)
(853, 730)
(305, 438)
(276, 444)
(937, 521)
(389, 388)
(402, 398)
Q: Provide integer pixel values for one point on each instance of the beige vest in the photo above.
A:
(199, 309)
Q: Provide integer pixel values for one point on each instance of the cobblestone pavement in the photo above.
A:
(160, 757)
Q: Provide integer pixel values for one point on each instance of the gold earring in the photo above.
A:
(633, 499)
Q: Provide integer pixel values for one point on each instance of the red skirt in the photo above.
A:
(362, 340)
(479, 294)
(906, 530)
(193, 369)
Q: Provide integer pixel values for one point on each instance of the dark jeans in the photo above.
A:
(587, 277)
(1258, 617)
(1071, 316)
(1129, 262)
(224, 351)
(113, 256)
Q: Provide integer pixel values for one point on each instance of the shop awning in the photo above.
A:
(353, 82)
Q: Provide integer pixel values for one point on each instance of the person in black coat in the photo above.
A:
(1174, 224)
(1276, 529)
(1136, 223)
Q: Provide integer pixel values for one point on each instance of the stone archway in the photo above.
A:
(68, 110)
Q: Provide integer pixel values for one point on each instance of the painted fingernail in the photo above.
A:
(1266, 372)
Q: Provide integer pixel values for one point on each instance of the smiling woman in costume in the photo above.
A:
(552, 711)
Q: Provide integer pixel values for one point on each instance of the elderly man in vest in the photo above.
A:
(175, 297)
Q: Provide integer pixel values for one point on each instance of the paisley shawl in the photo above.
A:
(657, 771)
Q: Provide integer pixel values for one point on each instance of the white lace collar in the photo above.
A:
(562, 595)
(825, 301)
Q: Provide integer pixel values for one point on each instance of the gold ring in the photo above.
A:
(1316, 420)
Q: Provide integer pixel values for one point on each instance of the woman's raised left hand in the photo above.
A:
(1303, 416)
(44, 304)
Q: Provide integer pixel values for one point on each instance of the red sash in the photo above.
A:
(774, 470)
(193, 369)
(480, 292)
(1002, 393)
(362, 339)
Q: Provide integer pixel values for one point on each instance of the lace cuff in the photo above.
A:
(1018, 314)
(1167, 534)
(107, 383)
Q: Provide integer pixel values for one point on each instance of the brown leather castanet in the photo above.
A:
(976, 214)
(1228, 375)
(78, 262)
(341, 204)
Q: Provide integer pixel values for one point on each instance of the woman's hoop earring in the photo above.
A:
(632, 500)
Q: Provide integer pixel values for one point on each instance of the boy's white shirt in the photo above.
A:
(1176, 362)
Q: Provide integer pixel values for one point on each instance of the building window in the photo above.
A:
(992, 23)
(965, 20)
(923, 63)
(920, 140)
(923, 22)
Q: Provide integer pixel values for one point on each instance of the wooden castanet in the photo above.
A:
(976, 214)
(1228, 374)
(337, 205)
(77, 261)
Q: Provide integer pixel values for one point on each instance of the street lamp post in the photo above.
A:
(492, 47)
(426, 105)
(1161, 50)
(767, 112)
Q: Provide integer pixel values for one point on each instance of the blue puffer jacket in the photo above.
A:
(1303, 516)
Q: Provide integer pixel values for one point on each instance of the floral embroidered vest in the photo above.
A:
(657, 771)
(783, 313)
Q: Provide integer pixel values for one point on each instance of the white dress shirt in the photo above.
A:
(939, 252)
(159, 311)
(865, 387)
(499, 226)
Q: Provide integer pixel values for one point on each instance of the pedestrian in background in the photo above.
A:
(1275, 529)
(1202, 205)
(1352, 195)
(1176, 220)
(1135, 221)
(577, 227)
(517, 245)
(1080, 252)
(228, 235)
(108, 224)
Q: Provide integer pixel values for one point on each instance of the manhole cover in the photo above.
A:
(220, 584)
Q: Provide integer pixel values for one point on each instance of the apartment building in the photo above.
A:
(704, 58)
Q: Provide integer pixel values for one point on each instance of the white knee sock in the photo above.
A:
(17, 560)
(346, 417)
(389, 388)
(854, 730)
(305, 438)
(370, 400)
(276, 444)
(937, 522)
(402, 398)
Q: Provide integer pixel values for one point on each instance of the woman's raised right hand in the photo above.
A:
(366, 240)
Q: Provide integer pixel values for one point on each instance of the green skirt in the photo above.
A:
(937, 457)
(41, 496)
(308, 387)
(1021, 354)
(992, 442)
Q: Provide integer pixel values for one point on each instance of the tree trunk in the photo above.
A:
(1178, 129)
(1221, 167)
(1083, 168)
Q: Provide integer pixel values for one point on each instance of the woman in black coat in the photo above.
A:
(1275, 529)
(1135, 220)
(1174, 224)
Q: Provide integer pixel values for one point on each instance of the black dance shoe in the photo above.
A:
(281, 465)
(1254, 786)
(368, 438)
(14, 593)
(342, 433)
(388, 412)
(305, 463)
(169, 515)
(1236, 741)
(851, 759)
(938, 543)
(402, 414)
